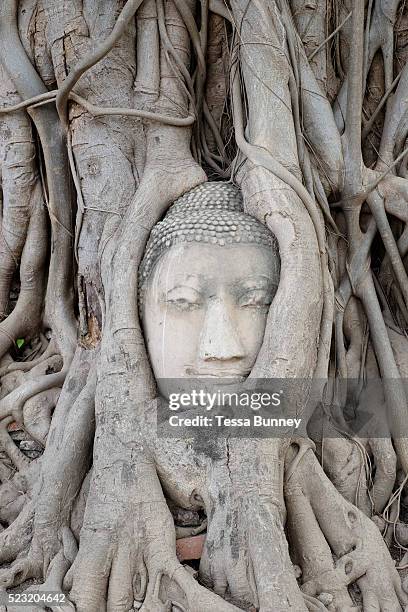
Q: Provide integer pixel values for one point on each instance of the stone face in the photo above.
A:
(205, 310)
(208, 277)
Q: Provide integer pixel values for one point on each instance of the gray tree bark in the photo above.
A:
(109, 111)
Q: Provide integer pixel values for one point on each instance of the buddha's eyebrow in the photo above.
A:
(257, 281)
(196, 281)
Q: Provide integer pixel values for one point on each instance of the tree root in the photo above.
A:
(55, 576)
(16, 491)
(345, 463)
(127, 552)
(88, 61)
(59, 492)
(44, 376)
(60, 311)
(26, 366)
(167, 580)
(37, 413)
(17, 537)
(13, 403)
(192, 595)
(19, 189)
(338, 526)
(23, 535)
(19, 571)
(7, 444)
(25, 319)
(125, 531)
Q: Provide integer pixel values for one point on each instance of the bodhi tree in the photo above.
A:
(110, 112)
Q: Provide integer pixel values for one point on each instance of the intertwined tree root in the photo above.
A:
(104, 477)
(127, 539)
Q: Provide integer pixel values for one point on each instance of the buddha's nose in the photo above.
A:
(219, 338)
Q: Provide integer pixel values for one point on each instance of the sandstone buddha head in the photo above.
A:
(207, 279)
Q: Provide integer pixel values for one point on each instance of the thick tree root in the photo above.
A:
(136, 559)
(37, 413)
(25, 319)
(25, 366)
(128, 535)
(152, 575)
(16, 491)
(127, 543)
(21, 570)
(18, 536)
(13, 404)
(323, 521)
(19, 187)
(59, 491)
(55, 576)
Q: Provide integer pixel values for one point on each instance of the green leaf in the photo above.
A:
(20, 342)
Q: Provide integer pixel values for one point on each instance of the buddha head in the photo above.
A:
(207, 279)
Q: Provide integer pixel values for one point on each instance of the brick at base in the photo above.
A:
(189, 549)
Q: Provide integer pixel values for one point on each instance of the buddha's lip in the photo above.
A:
(219, 374)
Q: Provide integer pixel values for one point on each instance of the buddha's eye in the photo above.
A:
(184, 298)
(255, 298)
(182, 304)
